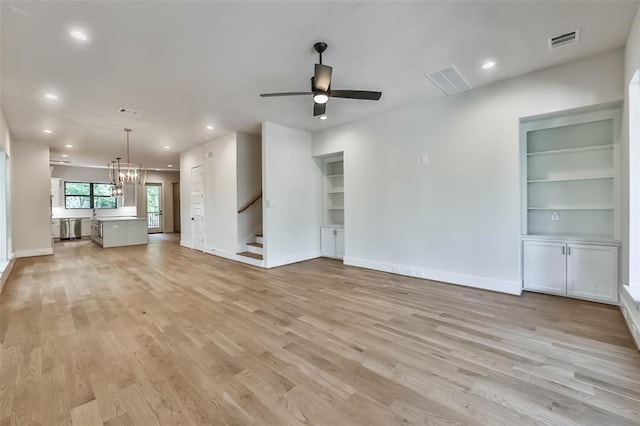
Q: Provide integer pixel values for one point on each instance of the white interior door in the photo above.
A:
(592, 272)
(545, 267)
(153, 203)
(197, 209)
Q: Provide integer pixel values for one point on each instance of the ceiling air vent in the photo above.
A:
(128, 111)
(449, 80)
(564, 39)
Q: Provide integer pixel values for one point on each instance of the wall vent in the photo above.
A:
(564, 39)
(449, 80)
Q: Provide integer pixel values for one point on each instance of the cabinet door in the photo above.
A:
(328, 242)
(592, 272)
(86, 228)
(545, 267)
(340, 243)
(55, 228)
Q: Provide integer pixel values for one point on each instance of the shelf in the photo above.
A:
(336, 191)
(578, 238)
(571, 150)
(586, 207)
(332, 176)
(569, 179)
(335, 208)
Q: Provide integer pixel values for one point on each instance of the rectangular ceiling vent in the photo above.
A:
(128, 111)
(564, 39)
(449, 80)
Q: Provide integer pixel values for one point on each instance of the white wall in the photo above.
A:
(249, 180)
(290, 179)
(220, 196)
(31, 202)
(166, 179)
(188, 159)
(456, 219)
(85, 174)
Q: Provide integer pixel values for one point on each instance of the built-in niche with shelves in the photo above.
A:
(334, 191)
(570, 175)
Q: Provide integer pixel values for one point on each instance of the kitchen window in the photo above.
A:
(86, 195)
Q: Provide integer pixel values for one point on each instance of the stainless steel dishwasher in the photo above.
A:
(70, 228)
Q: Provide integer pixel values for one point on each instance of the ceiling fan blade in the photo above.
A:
(322, 77)
(355, 94)
(319, 109)
(268, 95)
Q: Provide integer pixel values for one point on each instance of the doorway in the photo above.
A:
(154, 209)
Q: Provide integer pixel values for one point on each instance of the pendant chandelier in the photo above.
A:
(121, 172)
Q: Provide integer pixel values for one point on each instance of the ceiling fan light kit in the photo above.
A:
(321, 87)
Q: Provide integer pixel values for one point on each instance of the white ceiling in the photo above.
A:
(183, 65)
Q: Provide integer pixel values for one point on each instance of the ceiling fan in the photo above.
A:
(321, 87)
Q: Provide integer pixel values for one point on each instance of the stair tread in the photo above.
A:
(259, 235)
(255, 244)
(251, 255)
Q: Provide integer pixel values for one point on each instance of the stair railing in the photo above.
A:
(250, 202)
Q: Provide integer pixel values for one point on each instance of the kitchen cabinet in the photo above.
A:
(55, 229)
(86, 227)
(332, 242)
(118, 232)
(586, 271)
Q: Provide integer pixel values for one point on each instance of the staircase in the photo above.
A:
(254, 249)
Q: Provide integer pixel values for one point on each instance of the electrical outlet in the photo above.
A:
(555, 216)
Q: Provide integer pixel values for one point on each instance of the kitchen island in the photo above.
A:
(119, 231)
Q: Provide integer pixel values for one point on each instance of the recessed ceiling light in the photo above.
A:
(323, 117)
(51, 96)
(69, 146)
(167, 147)
(169, 165)
(210, 127)
(48, 131)
(78, 35)
(65, 155)
(488, 64)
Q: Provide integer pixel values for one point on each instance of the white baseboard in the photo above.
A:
(631, 312)
(509, 287)
(292, 258)
(233, 256)
(186, 244)
(34, 252)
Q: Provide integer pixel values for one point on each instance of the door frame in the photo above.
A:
(160, 227)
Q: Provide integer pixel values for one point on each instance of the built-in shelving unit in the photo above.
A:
(334, 191)
(570, 175)
(570, 203)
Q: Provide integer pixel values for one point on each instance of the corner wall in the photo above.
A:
(31, 200)
(457, 218)
(290, 179)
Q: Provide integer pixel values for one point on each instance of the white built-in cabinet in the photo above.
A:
(332, 232)
(587, 271)
(332, 240)
(570, 203)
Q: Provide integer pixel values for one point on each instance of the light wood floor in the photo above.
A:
(161, 334)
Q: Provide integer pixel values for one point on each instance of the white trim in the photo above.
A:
(186, 244)
(34, 252)
(292, 258)
(502, 286)
(631, 312)
(6, 273)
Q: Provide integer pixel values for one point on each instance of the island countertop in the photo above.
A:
(116, 219)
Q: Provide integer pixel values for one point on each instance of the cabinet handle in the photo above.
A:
(569, 251)
(563, 250)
